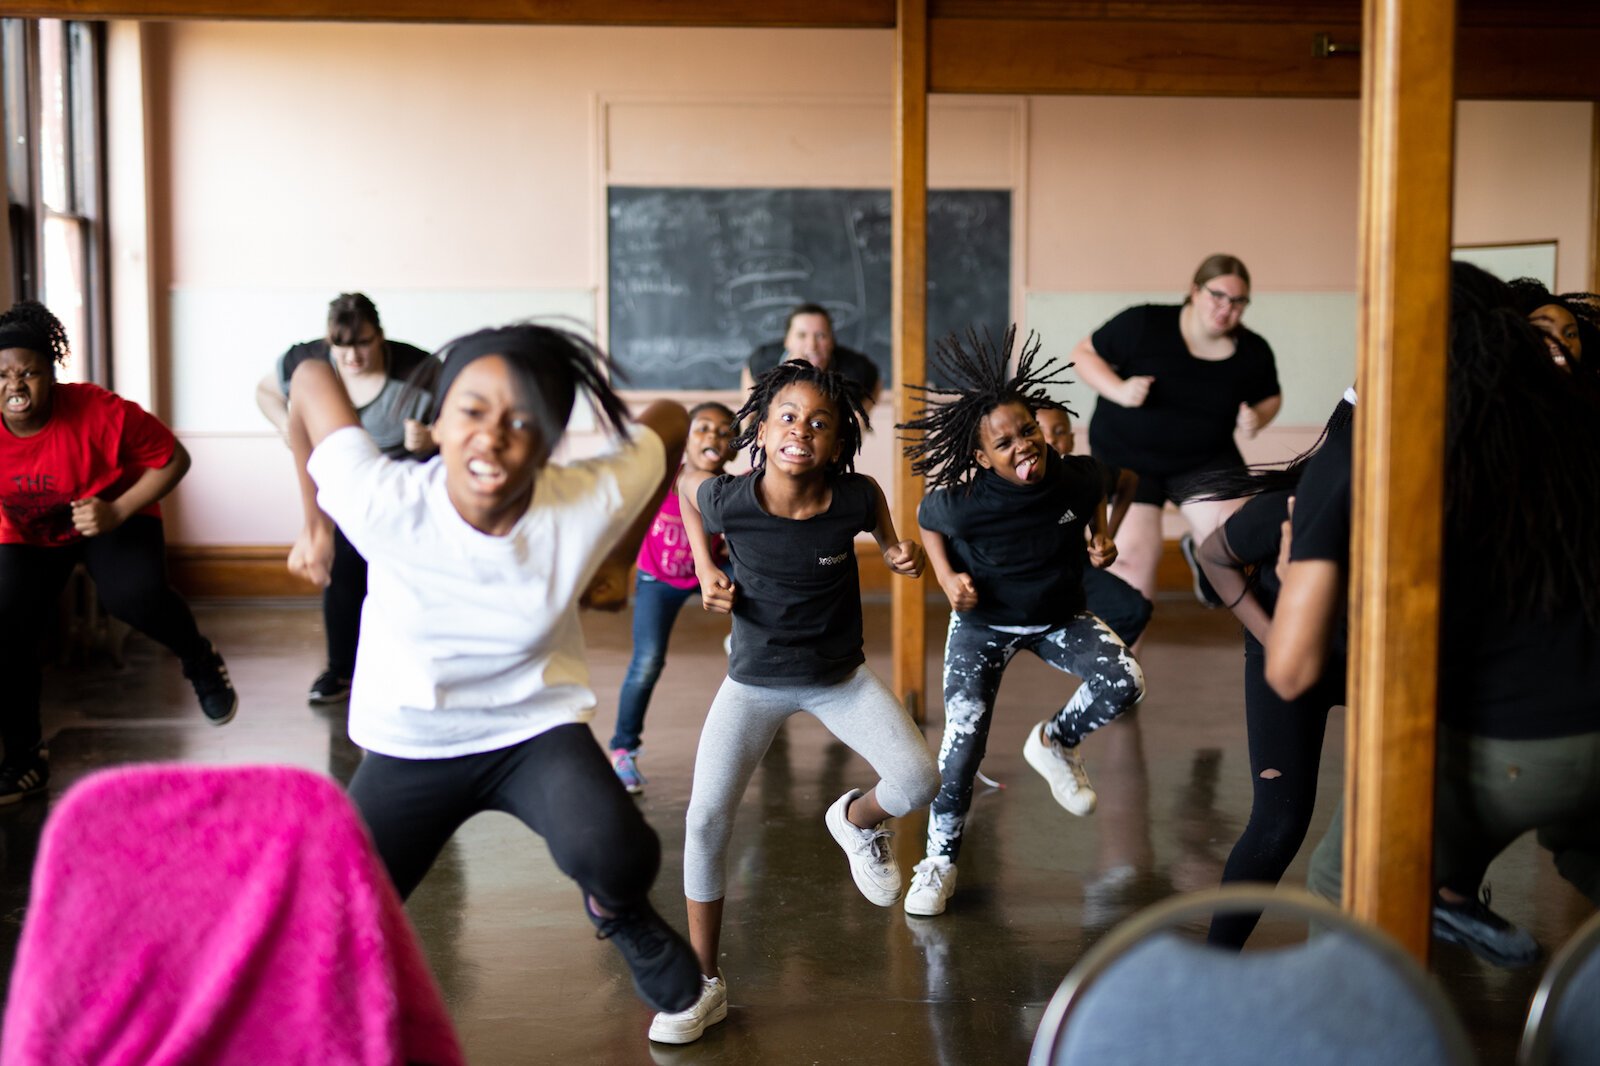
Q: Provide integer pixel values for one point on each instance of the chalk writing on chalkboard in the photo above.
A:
(699, 277)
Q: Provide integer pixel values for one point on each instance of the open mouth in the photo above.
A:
(1027, 468)
(485, 475)
(19, 403)
(798, 453)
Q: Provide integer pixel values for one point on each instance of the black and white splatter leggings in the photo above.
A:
(975, 658)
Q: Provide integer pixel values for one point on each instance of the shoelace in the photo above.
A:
(877, 845)
(928, 875)
(639, 934)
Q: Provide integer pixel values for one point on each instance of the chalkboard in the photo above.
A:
(699, 277)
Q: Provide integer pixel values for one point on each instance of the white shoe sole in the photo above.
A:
(838, 827)
(1041, 758)
(666, 1034)
(935, 906)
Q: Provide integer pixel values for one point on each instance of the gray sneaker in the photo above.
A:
(1484, 933)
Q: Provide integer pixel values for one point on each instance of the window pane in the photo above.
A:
(64, 289)
(53, 128)
(14, 69)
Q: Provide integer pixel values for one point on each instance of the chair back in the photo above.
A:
(1563, 1026)
(183, 915)
(1147, 995)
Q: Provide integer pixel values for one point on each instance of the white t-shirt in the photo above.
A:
(469, 642)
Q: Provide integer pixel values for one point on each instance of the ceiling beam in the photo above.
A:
(848, 14)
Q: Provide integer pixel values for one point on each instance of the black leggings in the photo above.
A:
(341, 605)
(558, 784)
(129, 568)
(1285, 753)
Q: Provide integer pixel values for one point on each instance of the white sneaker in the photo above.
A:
(872, 864)
(686, 1026)
(1063, 768)
(933, 882)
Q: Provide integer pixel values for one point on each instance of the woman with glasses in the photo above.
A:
(1175, 383)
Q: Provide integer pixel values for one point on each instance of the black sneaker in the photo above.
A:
(665, 972)
(18, 780)
(209, 676)
(1484, 933)
(1202, 588)
(329, 687)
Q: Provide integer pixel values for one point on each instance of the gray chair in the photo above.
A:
(1147, 995)
(1564, 1019)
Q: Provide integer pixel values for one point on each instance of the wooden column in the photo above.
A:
(1594, 203)
(909, 314)
(1407, 149)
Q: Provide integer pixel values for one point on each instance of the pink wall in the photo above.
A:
(289, 162)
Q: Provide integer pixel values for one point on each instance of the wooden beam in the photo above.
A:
(909, 316)
(854, 14)
(1594, 201)
(1407, 162)
(1166, 57)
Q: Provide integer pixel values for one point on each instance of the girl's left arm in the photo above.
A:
(904, 557)
(95, 517)
(1253, 417)
(608, 589)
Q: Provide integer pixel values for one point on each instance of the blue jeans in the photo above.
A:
(655, 610)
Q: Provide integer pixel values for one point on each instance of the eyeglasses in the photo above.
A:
(18, 377)
(1222, 297)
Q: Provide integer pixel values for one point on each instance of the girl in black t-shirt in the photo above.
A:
(790, 526)
(1285, 736)
(1005, 530)
(1176, 383)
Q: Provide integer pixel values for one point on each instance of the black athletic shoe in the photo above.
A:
(665, 973)
(329, 687)
(18, 780)
(209, 676)
(1484, 933)
(1202, 588)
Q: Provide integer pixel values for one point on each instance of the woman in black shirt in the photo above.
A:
(1176, 382)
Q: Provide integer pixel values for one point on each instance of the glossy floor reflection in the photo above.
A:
(816, 974)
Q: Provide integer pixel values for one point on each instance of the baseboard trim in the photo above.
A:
(260, 570)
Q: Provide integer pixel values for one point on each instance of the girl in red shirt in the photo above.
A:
(81, 470)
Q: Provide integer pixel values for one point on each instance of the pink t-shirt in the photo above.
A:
(665, 554)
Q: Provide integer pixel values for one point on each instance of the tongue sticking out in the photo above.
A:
(1025, 469)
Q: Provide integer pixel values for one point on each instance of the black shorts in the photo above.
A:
(1157, 489)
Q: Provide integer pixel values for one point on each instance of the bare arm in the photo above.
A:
(318, 407)
(958, 588)
(1226, 573)
(1098, 375)
(1253, 418)
(270, 399)
(716, 589)
(905, 557)
(608, 589)
(1122, 499)
(1303, 624)
(93, 516)
(1102, 548)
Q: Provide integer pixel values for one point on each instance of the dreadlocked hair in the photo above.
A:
(838, 390)
(36, 317)
(1522, 459)
(1242, 482)
(978, 382)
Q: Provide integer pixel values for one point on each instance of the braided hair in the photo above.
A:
(942, 440)
(838, 390)
(29, 324)
(1522, 458)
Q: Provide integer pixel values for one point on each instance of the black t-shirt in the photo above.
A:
(1023, 545)
(1193, 404)
(1322, 524)
(1502, 676)
(797, 605)
(846, 362)
(401, 359)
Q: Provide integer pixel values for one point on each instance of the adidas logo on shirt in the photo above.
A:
(832, 560)
(1068, 517)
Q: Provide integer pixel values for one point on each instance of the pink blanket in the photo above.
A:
(187, 915)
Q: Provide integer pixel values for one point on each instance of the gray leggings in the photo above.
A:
(739, 728)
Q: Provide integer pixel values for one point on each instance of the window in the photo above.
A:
(55, 179)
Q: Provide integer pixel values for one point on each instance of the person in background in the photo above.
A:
(808, 336)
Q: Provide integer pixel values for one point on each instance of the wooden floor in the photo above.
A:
(816, 974)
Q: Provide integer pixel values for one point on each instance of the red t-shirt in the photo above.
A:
(95, 444)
